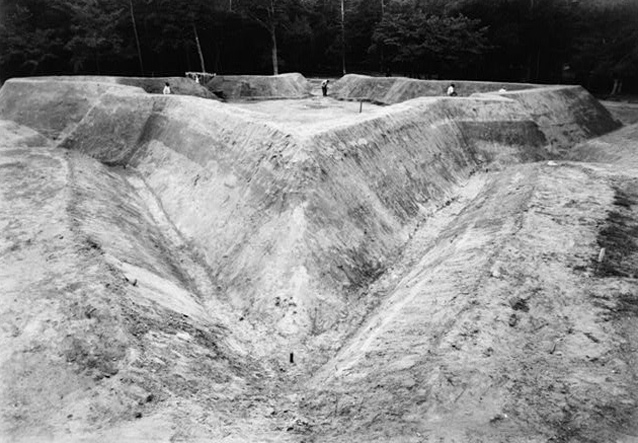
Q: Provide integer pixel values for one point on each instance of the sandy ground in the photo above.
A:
(308, 112)
(509, 316)
(308, 115)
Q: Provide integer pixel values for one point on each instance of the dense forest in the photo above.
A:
(592, 42)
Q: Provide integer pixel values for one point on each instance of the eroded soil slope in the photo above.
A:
(105, 332)
(500, 323)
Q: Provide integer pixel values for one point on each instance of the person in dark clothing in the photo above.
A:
(324, 87)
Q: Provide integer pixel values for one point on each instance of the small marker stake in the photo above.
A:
(601, 255)
(360, 106)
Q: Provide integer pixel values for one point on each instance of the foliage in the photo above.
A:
(530, 39)
(92, 26)
(424, 43)
(589, 41)
(26, 47)
(607, 47)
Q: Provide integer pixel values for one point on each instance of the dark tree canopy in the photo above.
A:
(593, 42)
(421, 43)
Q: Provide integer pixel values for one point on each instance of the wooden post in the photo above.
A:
(343, 37)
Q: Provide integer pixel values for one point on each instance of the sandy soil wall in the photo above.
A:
(293, 225)
(376, 180)
(498, 326)
(255, 87)
(288, 224)
(213, 172)
(627, 113)
(566, 114)
(390, 90)
(161, 291)
(94, 289)
(48, 106)
(152, 85)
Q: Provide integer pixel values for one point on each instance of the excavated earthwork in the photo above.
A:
(442, 269)
(259, 87)
(391, 90)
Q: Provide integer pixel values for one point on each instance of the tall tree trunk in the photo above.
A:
(384, 69)
(199, 49)
(343, 37)
(137, 38)
(272, 28)
(617, 88)
(275, 62)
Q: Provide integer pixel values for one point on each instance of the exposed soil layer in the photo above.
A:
(504, 327)
(565, 114)
(618, 147)
(259, 87)
(627, 113)
(391, 90)
(152, 85)
(175, 268)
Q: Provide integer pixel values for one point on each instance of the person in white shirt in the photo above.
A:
(451, 90)
(167, 89)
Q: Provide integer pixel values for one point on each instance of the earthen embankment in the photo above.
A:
(391, 90)
(175, 267)
(319, 212)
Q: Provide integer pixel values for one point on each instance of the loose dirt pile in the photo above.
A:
(181, 268)
(259, 87)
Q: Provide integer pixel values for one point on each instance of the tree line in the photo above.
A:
(592, 42)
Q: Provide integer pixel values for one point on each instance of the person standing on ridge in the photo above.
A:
(167, 89)
(324, 87)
